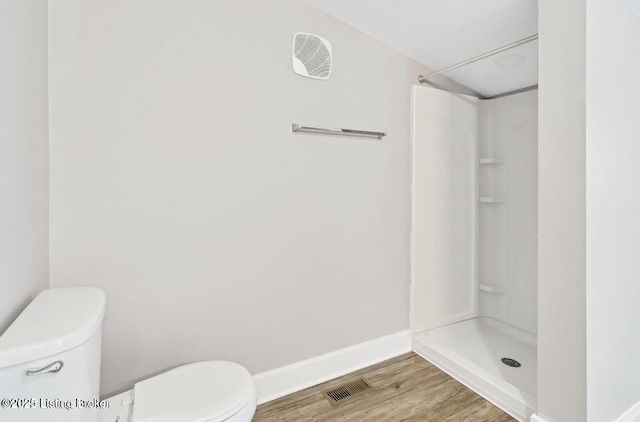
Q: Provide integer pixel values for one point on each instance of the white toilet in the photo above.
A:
(50, 370)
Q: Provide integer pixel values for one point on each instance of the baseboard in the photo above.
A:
(298, 376)
(536, 418)
(631, 415)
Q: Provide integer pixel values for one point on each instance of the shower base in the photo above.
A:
(471, 352)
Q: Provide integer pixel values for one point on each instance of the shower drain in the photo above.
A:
(511, 362)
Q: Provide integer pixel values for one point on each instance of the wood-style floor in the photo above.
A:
(405, 388)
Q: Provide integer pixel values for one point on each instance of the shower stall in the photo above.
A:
(474, 241)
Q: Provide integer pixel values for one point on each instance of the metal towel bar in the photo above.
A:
(335, 131)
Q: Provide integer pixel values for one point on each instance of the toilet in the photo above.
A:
(50, 370)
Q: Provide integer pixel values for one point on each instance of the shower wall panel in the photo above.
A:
(445, 132)
(507, 216)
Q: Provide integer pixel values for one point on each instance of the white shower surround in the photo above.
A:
(474, 244)
(507, 232)
(471, 350)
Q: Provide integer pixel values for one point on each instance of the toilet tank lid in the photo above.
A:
(55, 321)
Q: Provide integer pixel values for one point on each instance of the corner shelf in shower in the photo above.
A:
(492, 160)
(492, 288)
(491, 200)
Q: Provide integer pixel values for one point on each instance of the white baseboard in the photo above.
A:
(631, 415)
(298, 376)
(537, 418)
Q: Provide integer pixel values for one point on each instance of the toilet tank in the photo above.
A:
(50, 358)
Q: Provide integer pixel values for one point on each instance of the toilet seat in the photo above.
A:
(210, 391)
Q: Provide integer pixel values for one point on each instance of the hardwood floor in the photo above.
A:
(405, 388)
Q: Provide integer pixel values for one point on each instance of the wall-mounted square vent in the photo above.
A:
(634, 5)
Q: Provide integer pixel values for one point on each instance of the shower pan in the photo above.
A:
(474, 242)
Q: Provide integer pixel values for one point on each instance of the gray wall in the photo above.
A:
(178, 187)
(588, 339)
(561, 211)
(24, 254)
(613, 209)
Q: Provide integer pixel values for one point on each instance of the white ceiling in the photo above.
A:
(439, 33)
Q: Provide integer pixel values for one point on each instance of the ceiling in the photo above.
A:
(440, 33)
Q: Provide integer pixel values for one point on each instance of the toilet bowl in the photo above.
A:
(50, 370)
(209, 391)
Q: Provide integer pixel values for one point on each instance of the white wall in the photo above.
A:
(507, 232)
(613, 209)
(445, 138)
(561, 211)
(24, 241)
(178, 187)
